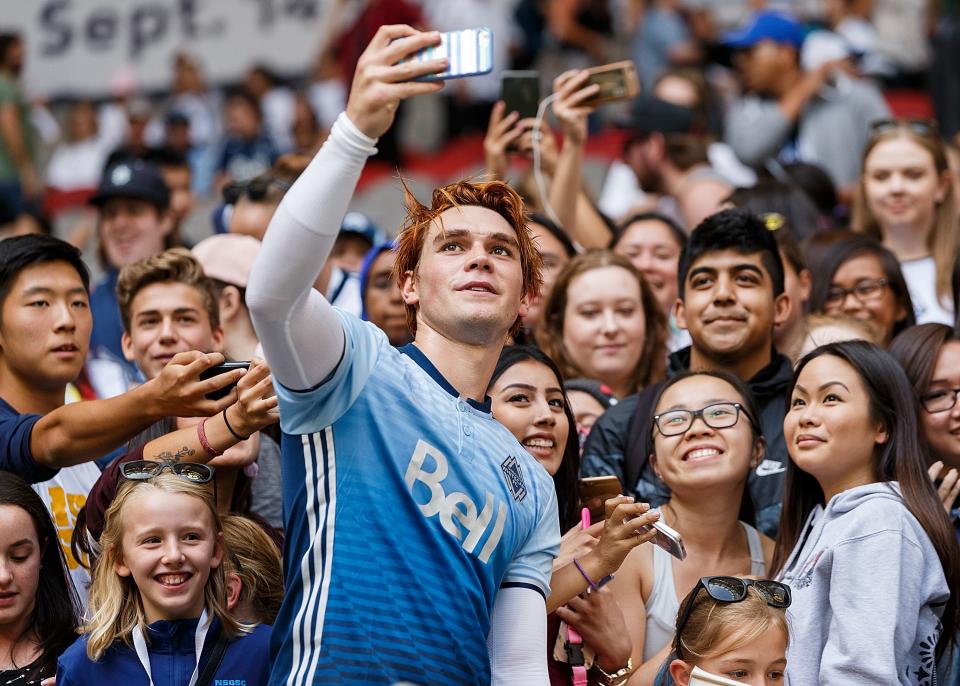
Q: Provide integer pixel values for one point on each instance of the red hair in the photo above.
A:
(493, 195)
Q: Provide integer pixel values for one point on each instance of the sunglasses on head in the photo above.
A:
(141, 470)
(256, 189)
(921, 127)
(733, 589)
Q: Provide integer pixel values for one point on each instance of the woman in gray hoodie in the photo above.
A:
(864, 543)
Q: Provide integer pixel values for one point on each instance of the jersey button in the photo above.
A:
(467, 431)
(461, 406)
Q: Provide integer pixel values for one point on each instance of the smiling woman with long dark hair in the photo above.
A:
(527, 397)
(39, 615)
(864, 543)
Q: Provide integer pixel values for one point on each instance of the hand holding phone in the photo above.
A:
(616, 81)
(503, 131)
(621, 532)
(385, 75)
(572, 106)
(219, 369)
(468, 53)
(256, 405)
(595, 491)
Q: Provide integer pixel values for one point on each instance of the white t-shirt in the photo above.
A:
(921, 278)
(64, 495)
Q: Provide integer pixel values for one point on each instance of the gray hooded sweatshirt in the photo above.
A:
(868, 591)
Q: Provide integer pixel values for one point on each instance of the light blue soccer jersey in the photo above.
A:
(406, 508)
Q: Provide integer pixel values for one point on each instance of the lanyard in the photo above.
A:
(140, 646)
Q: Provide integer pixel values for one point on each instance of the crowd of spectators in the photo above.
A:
(309, 449)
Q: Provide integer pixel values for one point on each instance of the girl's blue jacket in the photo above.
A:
(172, 658)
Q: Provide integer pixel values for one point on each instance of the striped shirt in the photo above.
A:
(406, 508)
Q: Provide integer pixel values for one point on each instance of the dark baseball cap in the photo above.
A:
(133, 179)
(776, 26)
(652, 115)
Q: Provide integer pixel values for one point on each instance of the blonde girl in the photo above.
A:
(158, 597)
(733, 628)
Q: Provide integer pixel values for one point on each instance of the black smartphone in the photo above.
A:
(520, 92)
(220, 369)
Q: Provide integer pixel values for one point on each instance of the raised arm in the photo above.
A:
(79, 432)
(574, 210)
(301, 334)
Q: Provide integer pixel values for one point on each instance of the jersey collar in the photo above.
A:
(415, 354)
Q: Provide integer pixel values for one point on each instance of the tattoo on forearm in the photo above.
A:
(167, 456)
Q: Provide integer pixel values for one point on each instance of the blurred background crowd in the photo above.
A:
(213, 121)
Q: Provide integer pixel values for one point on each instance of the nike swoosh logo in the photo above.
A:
(770, 467)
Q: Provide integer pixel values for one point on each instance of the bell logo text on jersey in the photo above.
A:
(457, 511)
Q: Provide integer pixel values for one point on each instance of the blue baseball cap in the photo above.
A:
(776, 26)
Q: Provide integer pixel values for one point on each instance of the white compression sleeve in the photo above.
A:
(301, 334)
(517, 642)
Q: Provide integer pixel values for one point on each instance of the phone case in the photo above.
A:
(617, 81)
(595, 491)
(470, 52)
(668, 539)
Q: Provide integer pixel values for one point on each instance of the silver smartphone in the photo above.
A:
(666, 538)
(470, 52)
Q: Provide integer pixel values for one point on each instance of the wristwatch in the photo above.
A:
(618, 677)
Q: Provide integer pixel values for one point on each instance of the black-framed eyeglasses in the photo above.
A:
(714, 415)
(141, 470)
(921, 127)
(732, 589)
(865, 290)
(940, 400)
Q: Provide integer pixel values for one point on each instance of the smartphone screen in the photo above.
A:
(470, 52)
(520, 92)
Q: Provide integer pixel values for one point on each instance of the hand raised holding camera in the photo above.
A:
(256, 401)
(622, 531)
(381, 81)
(502, 132)
(179, 391)
(572, 93)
